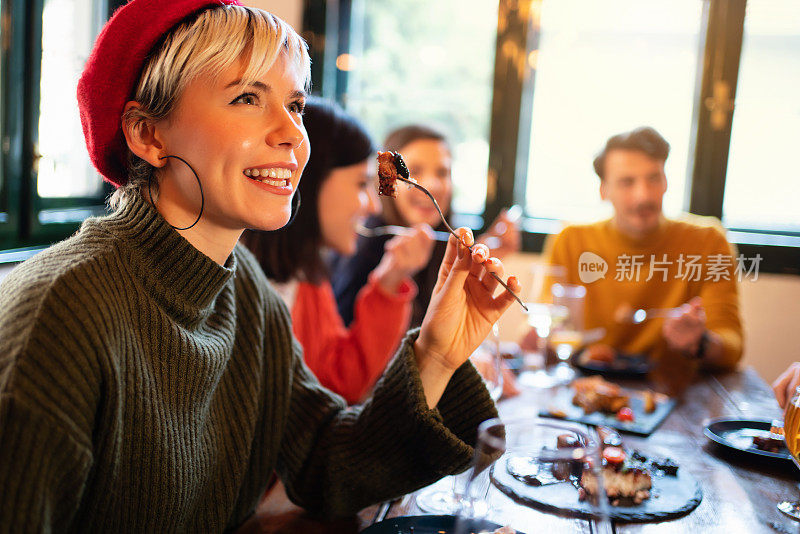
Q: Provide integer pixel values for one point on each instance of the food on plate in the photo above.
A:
(625, 415)
(594, 394)
(613, 455)
(775, 441)
(556, 411)
(649, 399)
(600, 353)
(627, 474)
(609, 437)
(390, 167)
(625, 482)
(665, 465)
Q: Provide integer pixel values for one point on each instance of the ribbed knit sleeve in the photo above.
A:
(43, 471)
(338, 460)
(49, 389)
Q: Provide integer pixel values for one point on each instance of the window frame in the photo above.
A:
(12, 63)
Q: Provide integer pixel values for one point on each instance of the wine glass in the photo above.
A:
(541, 318)
(567, 335)
(443, 497)
(791, 431)
(515, 457)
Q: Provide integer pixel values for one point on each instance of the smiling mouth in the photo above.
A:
(275, 176)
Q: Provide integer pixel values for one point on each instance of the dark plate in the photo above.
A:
(623, 366)
(671, 497)
(429, 524)
(737, 434)
(644, 424)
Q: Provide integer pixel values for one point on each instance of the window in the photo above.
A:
(47, 185)
(761, 191)
(567, 75)
(602, 68)
(430, 62)
(69, 28)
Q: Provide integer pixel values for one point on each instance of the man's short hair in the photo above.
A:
(643, 139)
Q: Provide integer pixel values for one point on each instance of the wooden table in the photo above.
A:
(739, 496)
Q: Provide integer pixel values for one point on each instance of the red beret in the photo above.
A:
(113, 69)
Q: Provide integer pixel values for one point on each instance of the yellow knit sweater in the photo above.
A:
(681, 260)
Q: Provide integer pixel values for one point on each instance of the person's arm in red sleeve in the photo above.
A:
(349, 361)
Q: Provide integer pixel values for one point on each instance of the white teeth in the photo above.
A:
(274, 173)
(275, 177)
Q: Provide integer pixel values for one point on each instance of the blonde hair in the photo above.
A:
(210, 42)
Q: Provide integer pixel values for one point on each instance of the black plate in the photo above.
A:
(428, 524)
(671, 497)
(644, 424)
(737, 434)
(623, 366)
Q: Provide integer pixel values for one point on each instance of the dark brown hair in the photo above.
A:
(295, 251)
(395, 141)
(643, 139)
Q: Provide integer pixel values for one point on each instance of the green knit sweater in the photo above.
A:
(145, 388)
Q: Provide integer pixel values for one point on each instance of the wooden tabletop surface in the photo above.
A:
(739, 494)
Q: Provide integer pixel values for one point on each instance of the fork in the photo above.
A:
(393, 229)
(641, 315)
(453, 233)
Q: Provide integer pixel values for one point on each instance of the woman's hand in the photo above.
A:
(786, 384)
(462, 310)
(404, 256)
(503, 236)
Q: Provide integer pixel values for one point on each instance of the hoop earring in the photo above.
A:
(199, 184)
(295, 207)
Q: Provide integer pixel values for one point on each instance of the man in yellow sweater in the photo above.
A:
(639, 259)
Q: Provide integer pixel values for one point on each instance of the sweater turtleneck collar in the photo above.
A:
(182, 278)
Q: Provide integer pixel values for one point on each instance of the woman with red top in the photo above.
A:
(338, 192)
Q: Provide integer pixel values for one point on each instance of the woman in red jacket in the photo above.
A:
(338, 193)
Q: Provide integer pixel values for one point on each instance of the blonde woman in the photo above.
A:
(149, 381)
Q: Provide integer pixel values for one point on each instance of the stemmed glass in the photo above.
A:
(444, 497)
(559, 325)
(791, 431)
(567, 335)
(541, 318)
(510, 451)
